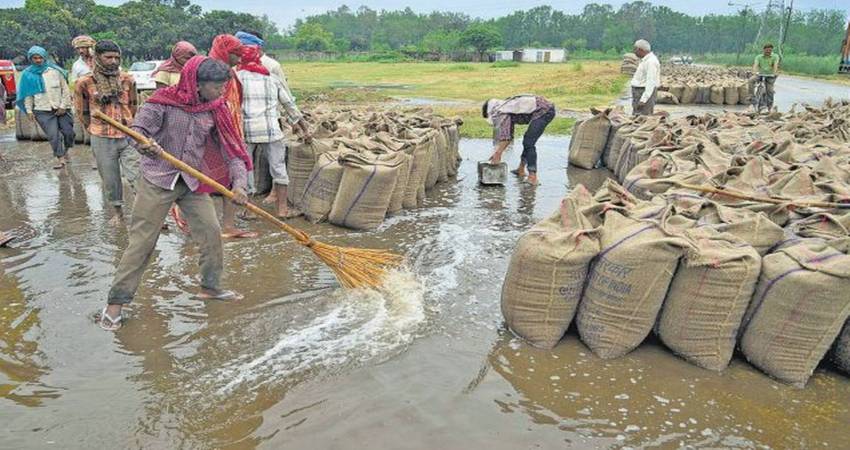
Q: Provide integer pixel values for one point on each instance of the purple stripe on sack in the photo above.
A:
(313, 178)
(617, 244)
(359, 195)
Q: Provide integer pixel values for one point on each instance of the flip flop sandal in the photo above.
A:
(5, 239)
(240, 235)
(59, 166)
(516, 172)
(110, 323)
(222, 295)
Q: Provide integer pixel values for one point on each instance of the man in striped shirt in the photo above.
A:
(262, 98)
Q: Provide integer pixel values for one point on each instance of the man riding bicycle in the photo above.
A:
(766, 66)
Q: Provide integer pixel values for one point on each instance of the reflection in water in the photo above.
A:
(21, 365)
(650, 398)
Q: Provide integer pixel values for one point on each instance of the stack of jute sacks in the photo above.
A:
(709, 273)
(629, 64)
(704, 85)
(365, 164)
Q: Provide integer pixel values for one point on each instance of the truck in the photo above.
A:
(7, 77)
(844, 66)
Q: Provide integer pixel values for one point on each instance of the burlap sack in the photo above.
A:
(27, 128)
(708, 298)
(365, 190)
(754, 228)
(547, 270)
(678, 91)
(840, 355)
(689, 95)
(744, 96)
(404, 169)
(443, 153)
(420, 150)
(666, 98)
(717, 95)
(322, 186)
(615, 144)
(799, 307)
(588, 140)
(435, 166)
(703, 94)
(301, 158)
(730, 95)
(627, 282)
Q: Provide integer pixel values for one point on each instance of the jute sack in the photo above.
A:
(744, 96)
(27, 128)
(627, 281)
(589, 139)
(433, 175)
(443, 153)
(730, 95)
(841, 350)
(689, 95)
(799, 307)
(717, 96)
(703, 94)
(301, 158)
(419, 150)
(708, 298)
(666, 98)
(404, 169)
(615, 143)
(547, 270)
(365, 190)
(322, 186)
(678, 91)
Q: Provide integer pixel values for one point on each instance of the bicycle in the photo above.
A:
(760, 100)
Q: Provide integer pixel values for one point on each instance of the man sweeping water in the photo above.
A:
(191, 121)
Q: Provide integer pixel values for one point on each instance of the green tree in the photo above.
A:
(311, 37)
(481, 37)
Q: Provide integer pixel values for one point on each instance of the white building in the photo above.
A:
(532, 55)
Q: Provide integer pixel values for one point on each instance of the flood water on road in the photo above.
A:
(301, 363)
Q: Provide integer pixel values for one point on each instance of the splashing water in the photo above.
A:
(366, 326)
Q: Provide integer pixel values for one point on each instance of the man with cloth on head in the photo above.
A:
(83, 65)
(192, 122)
(262, 95)
(168, 73)
(113, 92)
(44, 95)
(252, 37)
(646, 80)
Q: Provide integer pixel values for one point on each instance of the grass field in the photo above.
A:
(459, 89)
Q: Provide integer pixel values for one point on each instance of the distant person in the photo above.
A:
(252, 37)
(228, 49)
(214, 147)
(262, 97)
(767, 65)
(168, 73)
(84, 45)
(646, 80)
(111, 91)
(503, 115)
(44, 95)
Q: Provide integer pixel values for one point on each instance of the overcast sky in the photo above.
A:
(284, 13)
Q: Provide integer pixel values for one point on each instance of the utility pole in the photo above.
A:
(785, 28)
(742, 30)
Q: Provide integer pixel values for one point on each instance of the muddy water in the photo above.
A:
(302, 364)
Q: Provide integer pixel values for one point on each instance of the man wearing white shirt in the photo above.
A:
(646, 80)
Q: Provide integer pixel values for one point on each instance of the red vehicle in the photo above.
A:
(7, 77)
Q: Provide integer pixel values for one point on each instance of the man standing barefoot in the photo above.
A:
(191, 121)
(113, 92)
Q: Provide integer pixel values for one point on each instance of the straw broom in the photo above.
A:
(353, 267)
(774, 201)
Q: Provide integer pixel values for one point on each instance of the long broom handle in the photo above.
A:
(775, 201)
(302, 237)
